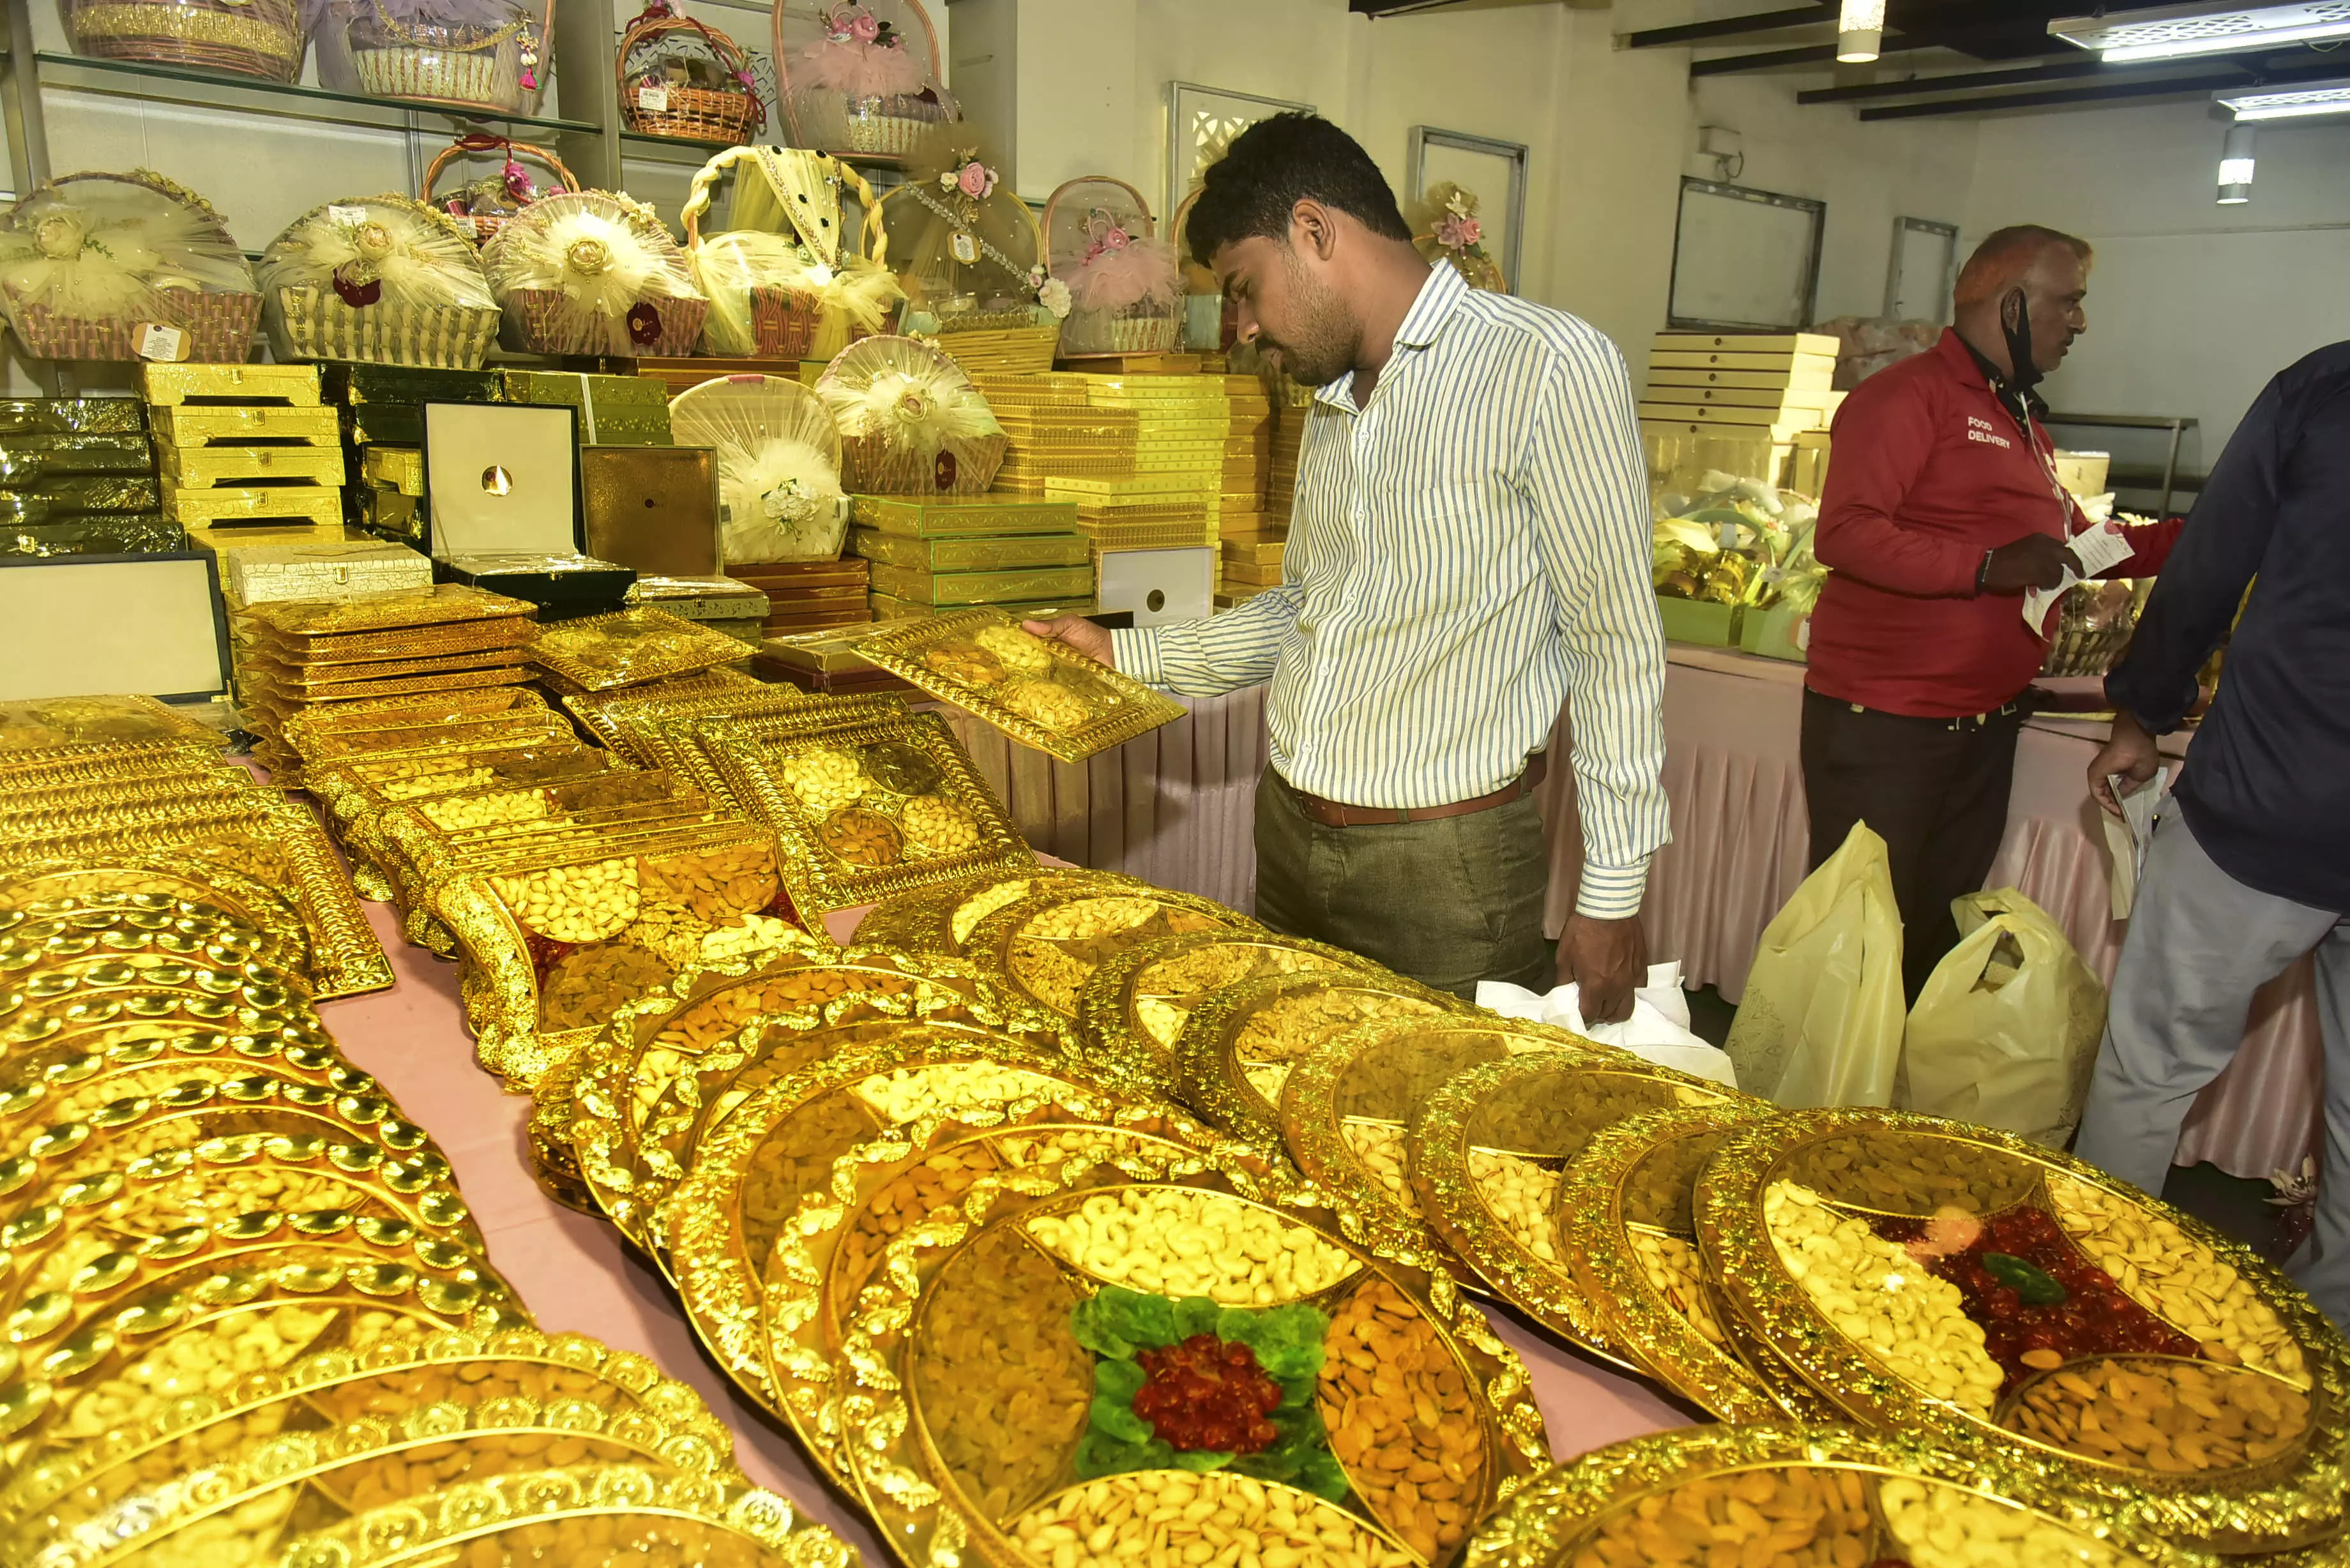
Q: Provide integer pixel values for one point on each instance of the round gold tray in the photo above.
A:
(940, 920)
(1487, 1149)
(24, 1020)
(667, 1068)
(795, 1146)
(1929, 1251)
(968, 1420)
(64, 1077)
(1626, 1233)
(1239, 1044)
(820, 1270)
(46, 976)
(1792, 1495)
(1049, 943)
(1344, 1107)
(1135, 1006)
(152, 882)
(198, 933)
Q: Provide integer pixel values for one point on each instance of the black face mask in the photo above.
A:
(2025, 372)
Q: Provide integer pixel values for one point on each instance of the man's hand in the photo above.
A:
(2034, 561)
(1606, 960)
(2130, 751)
(1093, 641)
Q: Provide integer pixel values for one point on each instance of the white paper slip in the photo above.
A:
(2128, 837)
(2095, 551)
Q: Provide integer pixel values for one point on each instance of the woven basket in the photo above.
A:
(451, 66)
(691, 113)
(220, 325)
(784, 323)
(1136, 329)
(241, 37)
(535, 324)
(319, 325)
(880, 127)
(486, 225)
(869, 467)
(829, 119)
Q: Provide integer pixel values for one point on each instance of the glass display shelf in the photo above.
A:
(693, 150)
(141, 78)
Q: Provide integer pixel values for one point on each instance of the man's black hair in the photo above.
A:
(1274, 165)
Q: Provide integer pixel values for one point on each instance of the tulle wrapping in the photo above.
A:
(1115, 281)
(863, 70)
(728, 267)
(85, 259)
(421, 258)
(911, 421)
(778, 465)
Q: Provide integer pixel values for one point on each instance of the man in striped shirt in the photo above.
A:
(1468, 548)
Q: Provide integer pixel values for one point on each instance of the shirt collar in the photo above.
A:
(1960, 352)
(1444, 289)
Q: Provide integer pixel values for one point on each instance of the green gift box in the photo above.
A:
(1699, 621)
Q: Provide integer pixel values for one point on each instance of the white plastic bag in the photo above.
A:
(2005, 1031)
(1657, 1032)
(1820, 1021)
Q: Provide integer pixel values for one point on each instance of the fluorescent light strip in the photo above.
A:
(2179, 32)
(2290, 105)
(2315, 32)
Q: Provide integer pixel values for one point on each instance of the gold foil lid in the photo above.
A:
(1930, 1276)
(1133, 1008)
(1041, 692)
(1238, 1046)
(1821, 1494)
(1345, 1107)
(1009, 1376)
(628, 649)
(434, 606)
(868, 811)
(48, 727)
(1050, 942)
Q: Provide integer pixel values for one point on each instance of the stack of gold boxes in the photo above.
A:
(247, 455)
(614, 411)
(809, 596)
(78, 478)
(1757, 407)
(380, 411)
(294, 656)
(936, 557)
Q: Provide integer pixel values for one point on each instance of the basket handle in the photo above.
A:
(705, 180)
(653, 24)
(479, 141)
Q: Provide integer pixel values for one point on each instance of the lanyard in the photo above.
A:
(2045, 459)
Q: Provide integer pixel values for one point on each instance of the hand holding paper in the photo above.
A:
(2092, 551)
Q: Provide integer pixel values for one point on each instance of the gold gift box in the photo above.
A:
(167, 386)
(327, 569)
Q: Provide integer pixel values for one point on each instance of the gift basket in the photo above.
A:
(779, 496)
(786, 282)
(88, 261)
(486, 203)
(859, 80)
(680, 78)
(588, 271)
(1450, 230)
(1126, 295)
(1745, 547)
(969, 256)
(1204, 297)
(911, 421)
(470, 54)
(384, 280)
(242, 37)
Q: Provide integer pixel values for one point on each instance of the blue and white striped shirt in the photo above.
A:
(1466, 552)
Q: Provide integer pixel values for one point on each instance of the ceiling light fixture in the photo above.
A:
(2236, 166)
(2302, 102)
(2177, 31)
(1860, 31)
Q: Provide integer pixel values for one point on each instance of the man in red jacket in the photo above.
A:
(1943, 507)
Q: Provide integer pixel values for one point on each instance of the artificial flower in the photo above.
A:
(977, 179)
(1054, 296)
(1116, 239)
(864, 27)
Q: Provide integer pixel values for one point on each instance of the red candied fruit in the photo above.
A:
(1206, 1393)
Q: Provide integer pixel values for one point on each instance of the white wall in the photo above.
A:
(2192, 306)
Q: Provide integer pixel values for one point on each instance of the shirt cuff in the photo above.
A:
(1134, 651)
(1611, 892)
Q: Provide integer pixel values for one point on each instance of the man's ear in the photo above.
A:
(1313, 229)
(2011, 308)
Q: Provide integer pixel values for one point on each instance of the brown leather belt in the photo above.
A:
(1336, 813)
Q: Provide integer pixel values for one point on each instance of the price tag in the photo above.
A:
(653, 99)
(465, 222)
(342, 213)
(965, 248)
(2098, 549)
(153, 340)
(1803, 634)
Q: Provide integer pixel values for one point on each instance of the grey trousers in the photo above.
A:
(2199, 944)
(1448, 902)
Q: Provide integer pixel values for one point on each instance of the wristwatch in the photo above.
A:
(1983, 572)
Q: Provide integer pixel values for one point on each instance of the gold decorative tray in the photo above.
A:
(1790, 1495)
(1623, 1228)
(1238, 1046)
(1042, 693)
(202, 934)
(1346, 1105)
(43, 728)
(1487, 1149)
(630, 648)
(1003, 1403)
(436, 606)
(1050, 942)
(869, 810)
(673, 736)
(1932, 1277)
(1134, 1007)
(940, 920)
(62, 890)
(611, 717)
(782, 1147)
(671, 1066)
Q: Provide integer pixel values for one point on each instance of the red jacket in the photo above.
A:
(1928, 471)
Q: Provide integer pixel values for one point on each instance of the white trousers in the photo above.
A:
(2199, 944)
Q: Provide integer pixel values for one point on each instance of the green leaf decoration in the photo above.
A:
(1199, 1461)
(1197, 1315)
(1115, 1419)
(2034, 1287)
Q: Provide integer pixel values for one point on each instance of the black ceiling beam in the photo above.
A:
(1727, 27)
(1809, 54)
(2098, 92)
(1913, 86)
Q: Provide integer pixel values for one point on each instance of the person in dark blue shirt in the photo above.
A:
(2251, 869)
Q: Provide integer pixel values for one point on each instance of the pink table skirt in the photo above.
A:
(1741, 841)
(575, 1276)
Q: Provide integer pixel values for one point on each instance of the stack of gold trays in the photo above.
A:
(247, 453)
(78, 478)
